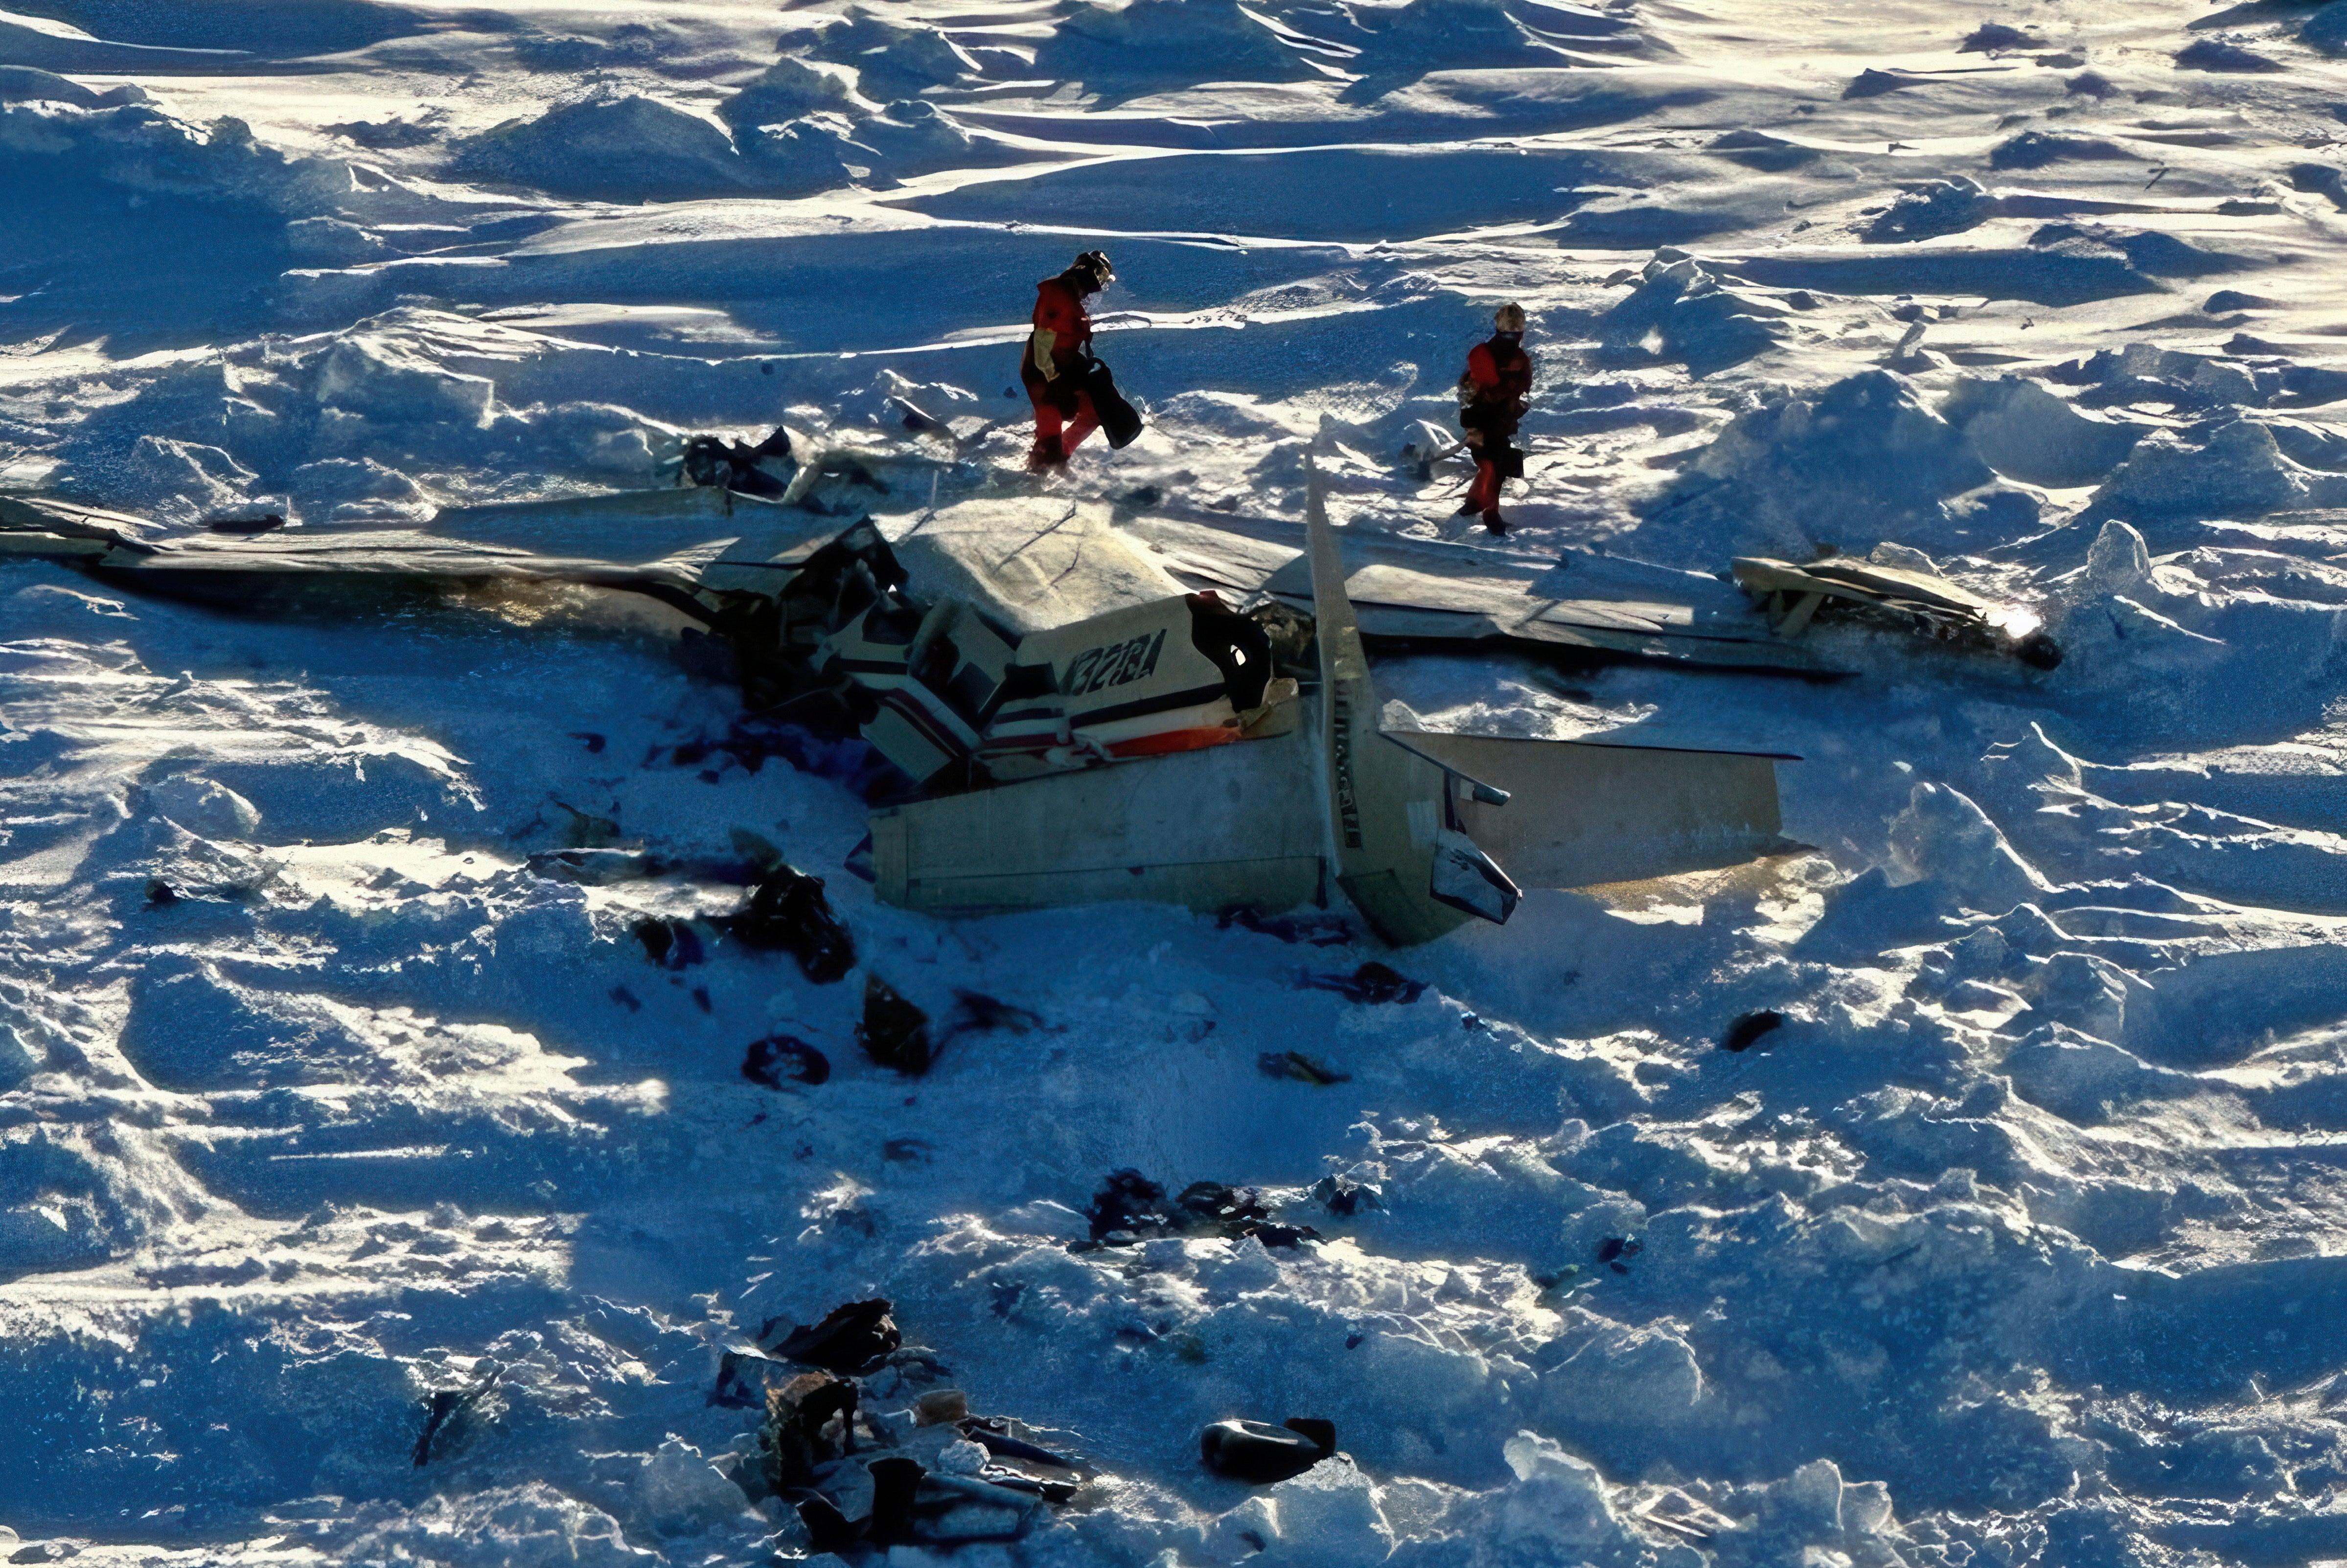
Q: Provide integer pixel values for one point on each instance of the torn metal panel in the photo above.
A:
(1236, 825)
(1577, 813)
(1908, 597)
(932, 677)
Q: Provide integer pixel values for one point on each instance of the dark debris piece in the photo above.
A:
(268, 522)
(1273, 1234)
(1318, 930)
(670, 943)
(849, 1339)
(1129, 1202)
(1997, 36)
(1373, 983)
(159, 894)
(781, 1058)
(1215, 1203)
(993, 1433)
(1296, 1065)
(789, 912)
(810, 1421)
(1344, 1196)
(977, 1013)
(894, 1032)
(1259, 1453)
(894, 1484)
(447, 1404)
(1749, 1028)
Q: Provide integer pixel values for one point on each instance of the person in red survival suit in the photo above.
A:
(1059, 355)
(1492, 396)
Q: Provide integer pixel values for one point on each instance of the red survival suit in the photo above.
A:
(1491, 398)
(1059, 310)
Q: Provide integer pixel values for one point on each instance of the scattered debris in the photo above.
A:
(850, 1338)
(934, 1474)
(894, 1032)
(1212, 1202)
(1260, 1453)
(789, 912)
(1615, 1250)
(1749, 1027)
(1295, 1064)
(1129, 1207)
(1373, 983)
(159, 894)
(779, 1058)
(1129, 1202)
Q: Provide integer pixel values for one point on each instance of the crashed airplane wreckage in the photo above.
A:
(1086, 716)
(1265, 793)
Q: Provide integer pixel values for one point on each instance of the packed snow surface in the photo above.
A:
(2017, 1240)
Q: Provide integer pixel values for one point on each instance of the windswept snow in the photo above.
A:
(327, 1086)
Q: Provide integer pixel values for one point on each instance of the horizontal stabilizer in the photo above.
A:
(1577, 813)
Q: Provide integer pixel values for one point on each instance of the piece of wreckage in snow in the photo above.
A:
(1168, 763)
(1904, 596)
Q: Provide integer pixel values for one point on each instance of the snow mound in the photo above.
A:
(614, 148)
(529, 1526)
(2327, 29)
(2225, 468)
(2026, 433)
(24, 83)
(1680, 311)
(1145, 46)
(1863, 460)
(892, 58)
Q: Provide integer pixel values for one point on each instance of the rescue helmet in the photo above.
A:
(1093, 264)
(1511, 318)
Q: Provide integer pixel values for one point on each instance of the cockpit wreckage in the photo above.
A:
(1095, 705)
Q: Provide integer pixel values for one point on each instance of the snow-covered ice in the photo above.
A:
(2018, 1240)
